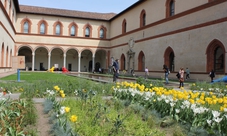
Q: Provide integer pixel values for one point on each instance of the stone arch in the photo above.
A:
(169, 58)
(42, 47)
(87, 59)
(27, 52)
(216, 56)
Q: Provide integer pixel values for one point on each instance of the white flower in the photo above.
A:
(216, 114)
(209, 122)
(182, 107)
(218, 119)
(172, 104)
(62, 110)
(167, 101)
(225, 109)
(177, 110)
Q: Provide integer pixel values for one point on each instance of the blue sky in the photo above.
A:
(100, 6)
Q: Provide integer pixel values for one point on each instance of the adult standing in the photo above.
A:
(187, 73)
(115, 70)
(212, 75)
(181, 80)
(146, 72)
(166, 72)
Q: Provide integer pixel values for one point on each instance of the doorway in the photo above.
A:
(69, 67)
(41, 68)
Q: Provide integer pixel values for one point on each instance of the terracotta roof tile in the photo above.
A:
(66, 13)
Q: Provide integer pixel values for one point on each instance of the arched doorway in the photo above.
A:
(216, 57)
(141, 61)
(169, 59)
(122, 62)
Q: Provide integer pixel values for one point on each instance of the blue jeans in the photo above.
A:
(166, 78)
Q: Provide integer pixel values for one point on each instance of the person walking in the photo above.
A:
(181, 80)
(166, 72)
(212, 75)
(187, 73)
(146, 73)
(115, 70)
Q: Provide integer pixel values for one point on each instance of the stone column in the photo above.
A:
(93, 63)
(33, 60)
(64, 60)
(49, 56)
(79, 57)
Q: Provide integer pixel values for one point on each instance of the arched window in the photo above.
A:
(72, 28)
(87, 32)
(170, 8)
(26, 27)
(58, 28)
(142, 18)
(124, 26)
(102, 32)
(42, 28)
(73, 31)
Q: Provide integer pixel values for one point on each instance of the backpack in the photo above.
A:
(178, 75)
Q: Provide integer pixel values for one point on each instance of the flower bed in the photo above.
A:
(200, 111)
(90, 114)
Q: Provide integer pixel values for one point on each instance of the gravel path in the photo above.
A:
(43, 126)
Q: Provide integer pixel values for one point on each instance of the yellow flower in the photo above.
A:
(61, 92)
(56, 88)
(67, 109)
(63, 95)
(73, 118)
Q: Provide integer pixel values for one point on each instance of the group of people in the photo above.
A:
(180, 74)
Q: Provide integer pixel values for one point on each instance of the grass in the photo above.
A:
(35, 76)
(35, 84)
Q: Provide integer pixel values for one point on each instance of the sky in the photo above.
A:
(99, 6)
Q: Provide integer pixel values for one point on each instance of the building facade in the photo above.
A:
(149, 33)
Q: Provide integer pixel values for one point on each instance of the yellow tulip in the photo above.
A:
(67, 109)
(73, 118)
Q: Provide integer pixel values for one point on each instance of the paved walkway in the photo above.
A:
(7, 74)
